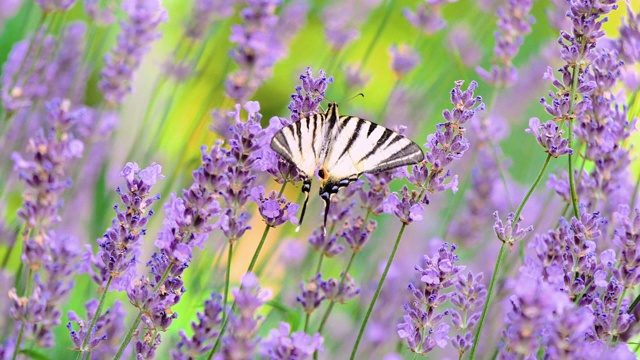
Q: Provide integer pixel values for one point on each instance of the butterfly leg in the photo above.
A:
(306, 187)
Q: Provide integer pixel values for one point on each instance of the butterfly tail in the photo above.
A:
(327, 203)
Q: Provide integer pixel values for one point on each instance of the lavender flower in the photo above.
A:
(427, 17)
(403, 59)
(281, 344)
(274, 211)
(423, 328)
(240, 341)
(133, 43)
(64, 73)
(512, 231)
(356, 233)
(23, 74)
(310, 297)
(203, 13)
(334, 291)
(309, 95)
(629, 43)
(514, 22)
(257, 48)
(341, 22)
(355, 77)
(444, 146)
(468, 298)
(327, 245)
(120, 245)
(549, 137)
(105, 336)
(50, 154)
(626, 238)
(205, 330)
(100, 16)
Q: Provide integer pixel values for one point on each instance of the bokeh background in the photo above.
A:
(167, 117)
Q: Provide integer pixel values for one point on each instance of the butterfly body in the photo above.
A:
(340, 149)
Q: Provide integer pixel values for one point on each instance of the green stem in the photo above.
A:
(614, 340)
(633, 304)
(377, 293)
(492, 284)
(572, 185)
(136, 322)
(306, 322)
(333, 301)
(319, 264)
(635, 193)
(532, 188)
(227, 280)
(27, 290)
(95, 318)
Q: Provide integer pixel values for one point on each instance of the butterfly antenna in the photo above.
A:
(354, 96)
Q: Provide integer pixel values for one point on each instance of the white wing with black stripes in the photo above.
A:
(341, 148)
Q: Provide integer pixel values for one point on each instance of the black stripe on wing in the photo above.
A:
(280, 145)
(408, 155)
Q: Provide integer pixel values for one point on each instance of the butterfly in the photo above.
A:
(340, 149)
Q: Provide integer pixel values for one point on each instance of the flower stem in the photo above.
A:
(572, 101)
(333, 302)
(136, 322)
(532, 188)
(381, 27)
(377, 293)
(492, 284)
(27, 290)
(95, 318)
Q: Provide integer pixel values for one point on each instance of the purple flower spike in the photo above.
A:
(427, 18)
(549, 136)
(468, 299)
(510, 233)
(205, 331)
(281, 344)
(514, 22)
(274, 211)
(204, 13)
(135, 39)
(403, 59)
(407, 209)
(310, 298)
(356, 233)
(327, 245)
(240, 341)
(309, 95)
(100, 16)
(422, 328)
(341, 294)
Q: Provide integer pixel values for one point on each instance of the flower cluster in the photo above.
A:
(257, 48)
(514, 22)
(115, 263)
(204, 331)
(240, 340)
(134, 40)
(281, 344)
(428, 17)
(423, 328)
(275, 211)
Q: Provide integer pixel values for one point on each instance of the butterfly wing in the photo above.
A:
(301, 144)
(362, 146)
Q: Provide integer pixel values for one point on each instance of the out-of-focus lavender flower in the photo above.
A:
(462, 44)
(333, 291)
(204, 12)
(423, 328)
(274, 211)
(55, 5)
(403, 59)
(9, 8)
(50, 153)
(309, 95)
(511, 232)
(281, 344)
(549, 137)
(408, 208)
(629, 43)
(120, 245)
(204, 331)
(427, 17)
(257, 48)
(39, 312)
(355, 77)
(23, 74)
(105, 336)
(342, 21)
(240, 340)
(327, 245)
(356, 233)
(64, 74)
(310, 297)
(100, 16)
(468, 299)
(514, 22)
(627, 237)
(134, 41)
